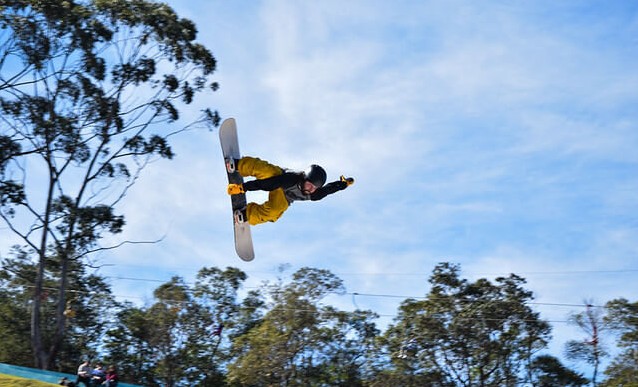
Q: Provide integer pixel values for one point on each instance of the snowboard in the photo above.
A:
(230, 149)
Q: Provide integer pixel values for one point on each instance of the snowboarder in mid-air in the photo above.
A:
(284, 186)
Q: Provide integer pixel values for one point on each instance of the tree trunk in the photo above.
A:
(60, 318)
(41, 359)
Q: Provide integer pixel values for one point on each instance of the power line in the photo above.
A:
(353, 294)
(289, 309)
(425, 274)
(519, 273)
(430, 297)
(369, 294)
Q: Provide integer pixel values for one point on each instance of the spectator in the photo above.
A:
(84, 374)
(111, 377)
(98, 375)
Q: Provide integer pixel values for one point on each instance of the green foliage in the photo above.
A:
(172, 340)
(547, 371)
(465, 333)
(14, 327)
(89, 310)
(622, 317)
(301, 342)
(204, 333)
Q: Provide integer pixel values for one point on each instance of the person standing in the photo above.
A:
(84, 374)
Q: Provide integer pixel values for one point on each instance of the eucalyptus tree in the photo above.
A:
(592, 349)
(350, 351)
(209, 322)
(14, 319)
(89, 311)
(301, 342)
(183, 337)
(465, 333)
(149, 342)
(90, 91)
(622, 318)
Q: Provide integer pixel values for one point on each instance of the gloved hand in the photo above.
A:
(348, 180)
(235, 189)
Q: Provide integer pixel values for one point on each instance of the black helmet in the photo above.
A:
(316, 175)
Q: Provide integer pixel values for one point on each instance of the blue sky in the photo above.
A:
(500, 135)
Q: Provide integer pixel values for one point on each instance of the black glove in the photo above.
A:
(348, 180)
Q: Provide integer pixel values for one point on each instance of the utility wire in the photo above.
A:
(306, 310)
(353, 294)
(425, 274)
(372, 294)
(430, 297)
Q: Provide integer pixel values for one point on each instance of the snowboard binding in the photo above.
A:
(240, 215)
(230, 165)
